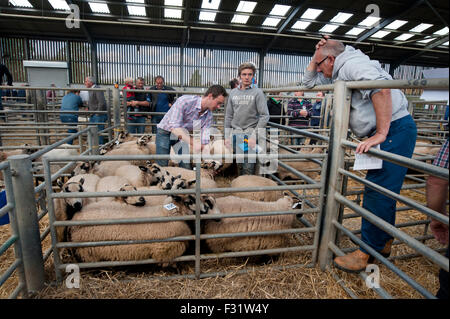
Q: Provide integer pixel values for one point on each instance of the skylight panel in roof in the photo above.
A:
(369, 21)
(355, 31)
(246, 6)
(426, 40)
(329, 28)
(172, 13)
(99, 7)
(446, 43)
(210, 4)
(443, 31)
(341, 17)
(404, 37)
(301, 25)
(21, 3)
(176, 3)
(279, 10)
(396, 24)
(59, 5)
(271, 22)
(380, 34)
(421, 27)
(311, 14)
(136, 11)
(207, 16)
(240, 18)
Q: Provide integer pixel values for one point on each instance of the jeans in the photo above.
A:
(72, 121)
(99, 118)
(139, 129)
(247, 167)
(443, 282)
(163, 144)
(155, 120)
(400, 140)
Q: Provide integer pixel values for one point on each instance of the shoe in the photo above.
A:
(354, 262)
(385, 252)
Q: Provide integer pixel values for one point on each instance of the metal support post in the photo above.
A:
(341, 112)
(27, 222)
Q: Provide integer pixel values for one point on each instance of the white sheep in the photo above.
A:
(108, 168)
(233, 204)
(256, 181)
(160, 251)
(136, 175)
(141, 146)
(115, 184)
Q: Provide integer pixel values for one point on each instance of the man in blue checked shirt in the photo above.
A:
(179, 121)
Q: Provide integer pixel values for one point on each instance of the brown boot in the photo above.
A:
(353, 262)
(386, 251)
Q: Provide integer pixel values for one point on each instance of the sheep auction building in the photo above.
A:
(86, 212)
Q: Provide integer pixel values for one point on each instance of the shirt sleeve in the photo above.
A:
(175, 114)
(313, 78)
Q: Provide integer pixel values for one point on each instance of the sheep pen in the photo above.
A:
(275, 280)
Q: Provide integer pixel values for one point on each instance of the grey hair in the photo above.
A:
(91, 79)
(140, 78)
(333, 48)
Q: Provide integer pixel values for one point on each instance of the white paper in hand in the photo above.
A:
(365, 161)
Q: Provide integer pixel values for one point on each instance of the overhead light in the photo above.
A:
(329, 28)
(172, 13)
(396, 24)
(311, 14)
(210, 4)
(279, 10)
(175, 3)
(369, 21)
(301, 25)
(421, 27)
(355, 31)
(207, 16)
(21, 3)
(341, 17)
(246, 6)
(443, 31)
(240, 18)
(380, 34)
(99, 7)
(404, 37)
(271, 22)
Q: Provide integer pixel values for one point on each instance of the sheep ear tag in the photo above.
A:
(170, 206)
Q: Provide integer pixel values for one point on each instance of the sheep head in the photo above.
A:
(130, 200)
(144, 140)
(188, 202)
(156, 173)
(75, 204)
(212, 165)
(123, 136)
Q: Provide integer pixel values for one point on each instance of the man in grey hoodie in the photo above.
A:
(246, 111)
(382, 116)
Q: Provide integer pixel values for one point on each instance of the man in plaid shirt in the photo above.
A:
(437, 192)
(179, 122)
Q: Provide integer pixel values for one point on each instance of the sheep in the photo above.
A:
(115, 184)
(61, 151)
(141, 146)
(162, 252)
(5, 154)
(107, 168)
(219, 147)
(189, 174)
(136, 175)
(233, 204)
(65, 208)
(300, 165)
(256, 181)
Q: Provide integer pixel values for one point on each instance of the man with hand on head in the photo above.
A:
(179, 121)
(382, 116)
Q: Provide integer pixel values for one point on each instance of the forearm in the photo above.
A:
(436, 194)
(181, 133)
(382, 103)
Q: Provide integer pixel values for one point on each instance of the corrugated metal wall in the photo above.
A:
(195, 67)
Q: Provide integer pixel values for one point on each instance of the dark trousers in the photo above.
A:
(163, 144)
(155, 120)
(245, 166)
(71, 120)
(443, 282)
(400, 140)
